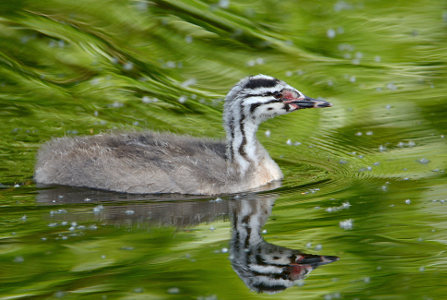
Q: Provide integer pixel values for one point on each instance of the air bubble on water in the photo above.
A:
(391, 86)
(377, 59)
(138, 290)
(369, 133)
(264, 231)
(23, 218)
(87, 200)
(16, 185)
(342, 161)
(408, 201)
(289, 73)
(170, 64)
(224, 3)
(388, 106)
(344, 46)
(97, 209)
(289, 142)
(212, 228)
(259, 60)
(346, 224)
(423, 161)
(224, 250)
(330, 33)
(188, 39)
(173, 290)
(128, 66)
(141, 5)
(366, 279)
(188, 82)
(19, 259)
(358, 133)
(356, 61)
(129, 212)
(182, 99)
(352, 79)
(421, 269)
(251, 63)
(382, 148)
(95, 81)
(308, 245)
(376, 163)
(297, 143)
(318, 247)
(330, 83)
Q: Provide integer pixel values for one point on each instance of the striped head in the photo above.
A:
(262, 97)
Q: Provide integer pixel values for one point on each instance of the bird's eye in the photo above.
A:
(277, 95)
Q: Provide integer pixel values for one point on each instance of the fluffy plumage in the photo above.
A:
(148, 162)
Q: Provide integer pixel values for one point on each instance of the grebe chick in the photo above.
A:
(148, 162)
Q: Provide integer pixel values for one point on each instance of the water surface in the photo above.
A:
(364, 180)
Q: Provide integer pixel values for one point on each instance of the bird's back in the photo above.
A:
(139, 162)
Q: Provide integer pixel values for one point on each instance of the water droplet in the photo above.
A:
(408, 201)
(129, 212)
(128, 66)
(346, 224)
(182, 99)
(330, 33)
(19, 259)
(423, 161)
(224, 3)
(189, 82)
(391, 86)
(97, 209)
(173, 290)
(289, 142)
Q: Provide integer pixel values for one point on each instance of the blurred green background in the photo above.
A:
(85, 67)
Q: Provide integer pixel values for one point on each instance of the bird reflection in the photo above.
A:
(262, 266)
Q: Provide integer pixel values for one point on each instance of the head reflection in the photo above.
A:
(262, 266)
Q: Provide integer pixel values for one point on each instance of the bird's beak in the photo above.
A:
(308, 102)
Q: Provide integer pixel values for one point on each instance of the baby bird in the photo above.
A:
(149, 162)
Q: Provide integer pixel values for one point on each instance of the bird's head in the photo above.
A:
(262, 97)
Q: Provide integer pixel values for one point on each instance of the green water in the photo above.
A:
(364, 180)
